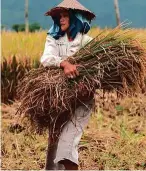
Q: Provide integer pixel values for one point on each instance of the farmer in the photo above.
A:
(64, 39)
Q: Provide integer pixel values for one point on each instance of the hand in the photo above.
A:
(69, 70)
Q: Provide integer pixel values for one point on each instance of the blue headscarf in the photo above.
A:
(78, 23)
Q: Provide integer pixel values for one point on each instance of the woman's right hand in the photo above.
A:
(70, 70)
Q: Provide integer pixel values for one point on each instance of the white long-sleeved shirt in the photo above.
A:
(58, 50)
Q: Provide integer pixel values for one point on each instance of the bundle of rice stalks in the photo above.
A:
(112, 62)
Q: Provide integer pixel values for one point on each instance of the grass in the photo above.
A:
(114, 139)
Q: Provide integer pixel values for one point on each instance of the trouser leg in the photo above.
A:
(71, 135)
(53, 144)
(51, 154)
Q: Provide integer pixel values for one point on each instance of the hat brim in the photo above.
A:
(57, 10)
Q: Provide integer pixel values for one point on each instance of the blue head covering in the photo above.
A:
(78, 23)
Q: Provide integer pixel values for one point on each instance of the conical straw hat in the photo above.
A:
(70, 4)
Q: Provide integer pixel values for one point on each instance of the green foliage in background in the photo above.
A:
(21, 27)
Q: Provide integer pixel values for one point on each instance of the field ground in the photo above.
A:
(114, 139)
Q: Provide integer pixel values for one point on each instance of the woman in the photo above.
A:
(64, 39)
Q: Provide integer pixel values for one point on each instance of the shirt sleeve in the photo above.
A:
(50, 56)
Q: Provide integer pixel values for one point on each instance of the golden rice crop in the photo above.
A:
(22, 45)
(32, 44)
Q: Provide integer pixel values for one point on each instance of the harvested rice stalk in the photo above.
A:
(114, 62)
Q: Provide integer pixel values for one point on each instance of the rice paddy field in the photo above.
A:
(32, 45)
(115, 138)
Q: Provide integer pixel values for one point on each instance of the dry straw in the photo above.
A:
(112, 62)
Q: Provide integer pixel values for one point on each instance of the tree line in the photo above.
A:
(22, 27)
